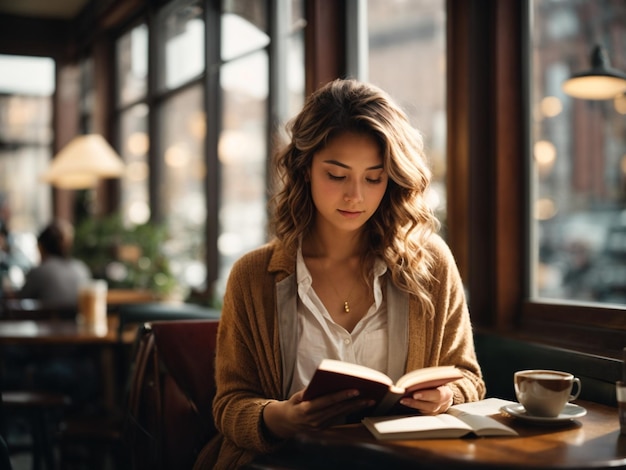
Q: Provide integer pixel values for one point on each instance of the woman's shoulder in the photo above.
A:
(256, 254)
(442, 258)
(438, 246)
(271, 255)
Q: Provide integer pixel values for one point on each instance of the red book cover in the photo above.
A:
(333, 376)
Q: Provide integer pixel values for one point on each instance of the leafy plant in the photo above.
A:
(126, 257)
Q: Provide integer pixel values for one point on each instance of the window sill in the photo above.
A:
(591, 329)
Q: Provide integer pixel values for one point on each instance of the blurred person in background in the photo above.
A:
(59, 276)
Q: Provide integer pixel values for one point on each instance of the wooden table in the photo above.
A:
(63, 333)
(590, 442)
(60, 332)
(52, 332)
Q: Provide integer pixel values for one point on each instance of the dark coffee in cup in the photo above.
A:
(544, 393)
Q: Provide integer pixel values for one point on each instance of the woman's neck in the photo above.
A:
(334, 247)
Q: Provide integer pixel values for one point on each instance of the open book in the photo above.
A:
(460, 420)
(332, 376)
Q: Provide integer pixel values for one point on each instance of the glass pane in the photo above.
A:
(26, 86)
(25, 119)
(26, 75)
(297, 13)
(295, 72)
(135, 144)
(413, 34)
(182, 136)
(578, 156)
(243, 158)
(243, 28)
(252, 11)
(182, 36)
(132, 65)
(25, 202)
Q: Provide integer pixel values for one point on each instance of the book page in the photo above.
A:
(355, 370)
(416, 424)
(477, 415)
(435, 375)
(486, 407)
(486, 426)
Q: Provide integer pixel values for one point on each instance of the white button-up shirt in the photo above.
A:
(320, 337)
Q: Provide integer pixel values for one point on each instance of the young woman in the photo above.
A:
(356, 272)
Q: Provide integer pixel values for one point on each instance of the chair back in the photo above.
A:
(171, 393)
(131, 317)
(134, 315)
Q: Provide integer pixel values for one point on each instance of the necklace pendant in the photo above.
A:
(346, 307)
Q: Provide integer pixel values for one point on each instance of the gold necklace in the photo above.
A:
(346, 304)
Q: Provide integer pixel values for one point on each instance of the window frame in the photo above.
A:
(212, 104)
(489, 217)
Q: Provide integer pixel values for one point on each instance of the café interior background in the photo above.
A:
(196, 143)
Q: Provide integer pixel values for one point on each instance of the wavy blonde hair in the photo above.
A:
(400, 227)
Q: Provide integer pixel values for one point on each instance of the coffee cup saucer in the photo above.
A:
(569, 413)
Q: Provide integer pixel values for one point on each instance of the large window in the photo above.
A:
(579, 156)
(245, 143)
(244, 83)
(182, 123)
(197, 134)
(179, 136)
(134, 141)
(26, 88)
(181, 190)
(407, 57)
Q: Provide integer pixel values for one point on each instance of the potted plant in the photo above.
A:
(127, 257)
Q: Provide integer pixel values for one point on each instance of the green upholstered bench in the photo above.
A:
(500, 356)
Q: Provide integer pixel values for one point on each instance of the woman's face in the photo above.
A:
(348, 181)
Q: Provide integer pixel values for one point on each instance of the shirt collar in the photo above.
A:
(305, 281)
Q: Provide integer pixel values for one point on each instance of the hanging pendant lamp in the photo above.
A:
(601, 82)
(82, 162)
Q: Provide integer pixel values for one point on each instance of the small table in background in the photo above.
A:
(62, 333)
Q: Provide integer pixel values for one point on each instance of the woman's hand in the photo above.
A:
(284, 418)
(432, 401)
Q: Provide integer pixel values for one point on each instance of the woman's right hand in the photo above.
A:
(284, 418)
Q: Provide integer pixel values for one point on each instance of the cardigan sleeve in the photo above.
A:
(446, 336)
(246, 359)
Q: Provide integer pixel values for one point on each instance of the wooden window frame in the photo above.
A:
(488, 148)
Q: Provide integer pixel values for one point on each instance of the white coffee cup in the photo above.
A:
(544, 393)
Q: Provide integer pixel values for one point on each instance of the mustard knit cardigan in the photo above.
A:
(249, 363)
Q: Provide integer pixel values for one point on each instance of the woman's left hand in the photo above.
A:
(431, 401)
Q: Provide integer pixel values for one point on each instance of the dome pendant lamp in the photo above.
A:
(601, 82)
(82, 162)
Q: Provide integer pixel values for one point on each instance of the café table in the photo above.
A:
(69, 333)
(57, 336)
(51, 332)
(589, 442)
